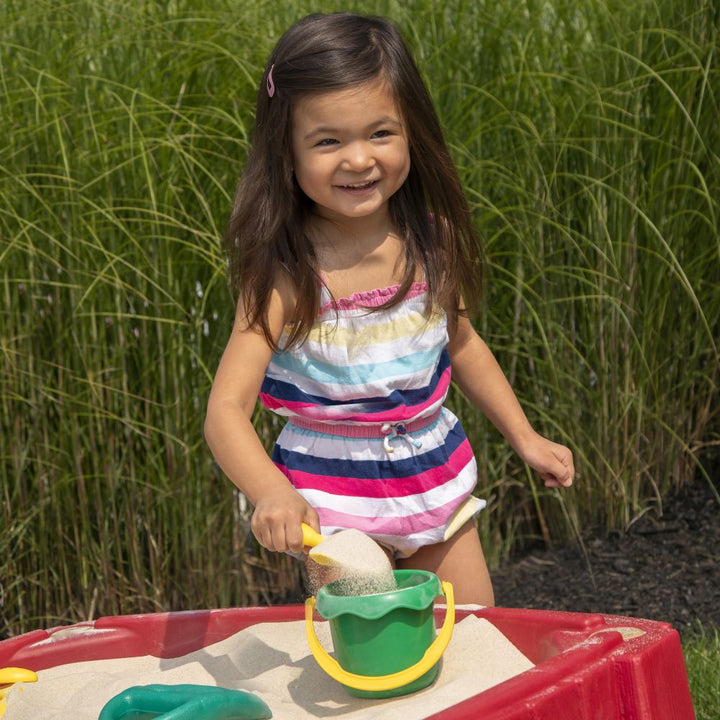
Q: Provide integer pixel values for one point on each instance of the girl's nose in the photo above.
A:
(358, 156)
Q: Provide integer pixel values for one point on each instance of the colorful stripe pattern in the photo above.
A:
(359, 377)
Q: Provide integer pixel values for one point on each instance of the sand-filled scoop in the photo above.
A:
(361, 563)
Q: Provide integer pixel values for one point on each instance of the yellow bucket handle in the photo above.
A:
(380, 683)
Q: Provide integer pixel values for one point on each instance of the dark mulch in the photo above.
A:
(663, 568)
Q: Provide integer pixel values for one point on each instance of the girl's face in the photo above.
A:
(350, 150)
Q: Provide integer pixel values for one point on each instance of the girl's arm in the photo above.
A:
(483, 382)
(229, 432)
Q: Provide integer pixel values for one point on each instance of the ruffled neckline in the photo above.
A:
(370, 298)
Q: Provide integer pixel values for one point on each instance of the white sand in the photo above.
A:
(273, 661)
(360, 564)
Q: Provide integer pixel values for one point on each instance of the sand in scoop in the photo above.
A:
(361, 565)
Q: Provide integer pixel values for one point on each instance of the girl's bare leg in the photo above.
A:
(460, 561)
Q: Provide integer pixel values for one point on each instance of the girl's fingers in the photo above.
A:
(564, 473)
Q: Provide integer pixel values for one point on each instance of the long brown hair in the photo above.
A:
(266, 232)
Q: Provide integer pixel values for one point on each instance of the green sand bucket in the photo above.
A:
(385, 643)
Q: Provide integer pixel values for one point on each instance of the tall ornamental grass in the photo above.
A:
(587, 138)
(702, 654)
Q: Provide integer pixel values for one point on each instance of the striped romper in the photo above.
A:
(368, 442)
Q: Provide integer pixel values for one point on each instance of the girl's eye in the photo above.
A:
(378, 134)
(326, 142)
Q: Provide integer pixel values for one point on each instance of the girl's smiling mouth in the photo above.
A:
(359, 187)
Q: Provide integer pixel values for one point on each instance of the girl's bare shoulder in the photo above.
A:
(284, 295)
(279, 309)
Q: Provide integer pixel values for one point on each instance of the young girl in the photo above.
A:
(353, 253)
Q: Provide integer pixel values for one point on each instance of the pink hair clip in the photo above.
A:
(270, 82)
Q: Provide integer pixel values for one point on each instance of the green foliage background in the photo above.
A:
(587, 137)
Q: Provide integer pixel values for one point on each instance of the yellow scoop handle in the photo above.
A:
(9, 676)
(311, 538)
(15, 674)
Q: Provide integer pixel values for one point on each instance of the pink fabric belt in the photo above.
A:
(365, 430)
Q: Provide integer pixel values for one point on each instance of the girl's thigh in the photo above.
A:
(460, 561)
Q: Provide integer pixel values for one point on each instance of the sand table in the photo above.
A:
(273, 661)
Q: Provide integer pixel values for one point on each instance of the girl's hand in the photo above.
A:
(276, 521)
(553, 462)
